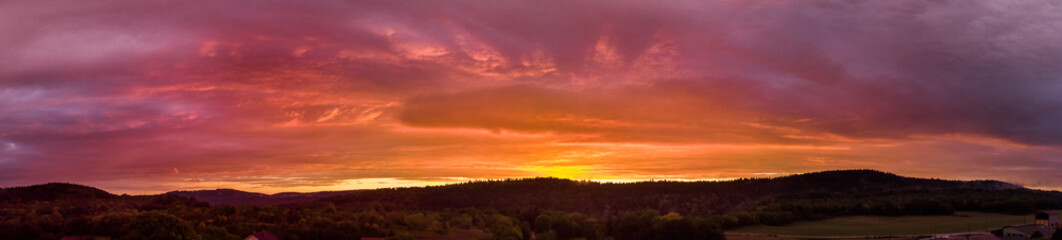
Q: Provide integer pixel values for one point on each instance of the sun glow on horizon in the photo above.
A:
(144, 97)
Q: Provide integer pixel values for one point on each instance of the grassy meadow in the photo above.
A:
(885, 225)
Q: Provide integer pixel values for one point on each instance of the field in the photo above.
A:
(891, 226)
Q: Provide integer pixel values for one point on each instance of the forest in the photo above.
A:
(546, 208)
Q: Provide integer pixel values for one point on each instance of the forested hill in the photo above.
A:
(488, 193)
(234, 197)
(504, 209)
(869, 180)
(695, 198)
(52, 191)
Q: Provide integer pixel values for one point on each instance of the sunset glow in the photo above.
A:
(153, 96)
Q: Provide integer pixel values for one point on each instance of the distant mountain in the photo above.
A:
(728, 204)
(234, 197)
(706, 197)
(478, 194)
(697, 198)
(52, 191)
(870, 180)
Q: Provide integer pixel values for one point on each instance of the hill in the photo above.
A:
(456, 195)
(232, 197)
(52, 191)
(872, 180)
(690, 198)
(508, 209)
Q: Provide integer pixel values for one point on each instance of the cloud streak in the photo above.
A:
(276, 96)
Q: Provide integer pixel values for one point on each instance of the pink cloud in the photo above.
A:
(292, 96)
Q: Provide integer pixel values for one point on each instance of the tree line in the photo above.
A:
(546, 208)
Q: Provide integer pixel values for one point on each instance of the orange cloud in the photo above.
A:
(146, 97)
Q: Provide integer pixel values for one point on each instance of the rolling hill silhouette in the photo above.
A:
(70, 208)
(554, 193)
(234, 197)
(52, 191)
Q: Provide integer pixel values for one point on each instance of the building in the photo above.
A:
(419, 238)
(263, 235)
(1048, 218)
(1023, 232)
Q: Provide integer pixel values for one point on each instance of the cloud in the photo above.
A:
(661, 113)
(289, 96)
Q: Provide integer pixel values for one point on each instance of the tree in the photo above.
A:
(636, 225)
(157, 225)
(402, 236)
(548, 235)
(543, 223)
(212, 232)
(505, 228)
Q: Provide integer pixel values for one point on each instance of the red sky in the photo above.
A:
(273, 96)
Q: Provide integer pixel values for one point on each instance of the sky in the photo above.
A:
(145, 97)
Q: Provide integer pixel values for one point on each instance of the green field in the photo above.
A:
(883, 226)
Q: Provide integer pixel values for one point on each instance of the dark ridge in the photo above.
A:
(221, 192)
(726, 204)
(52, 191)
(232, 197)
(697, 198)
(873, 180)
